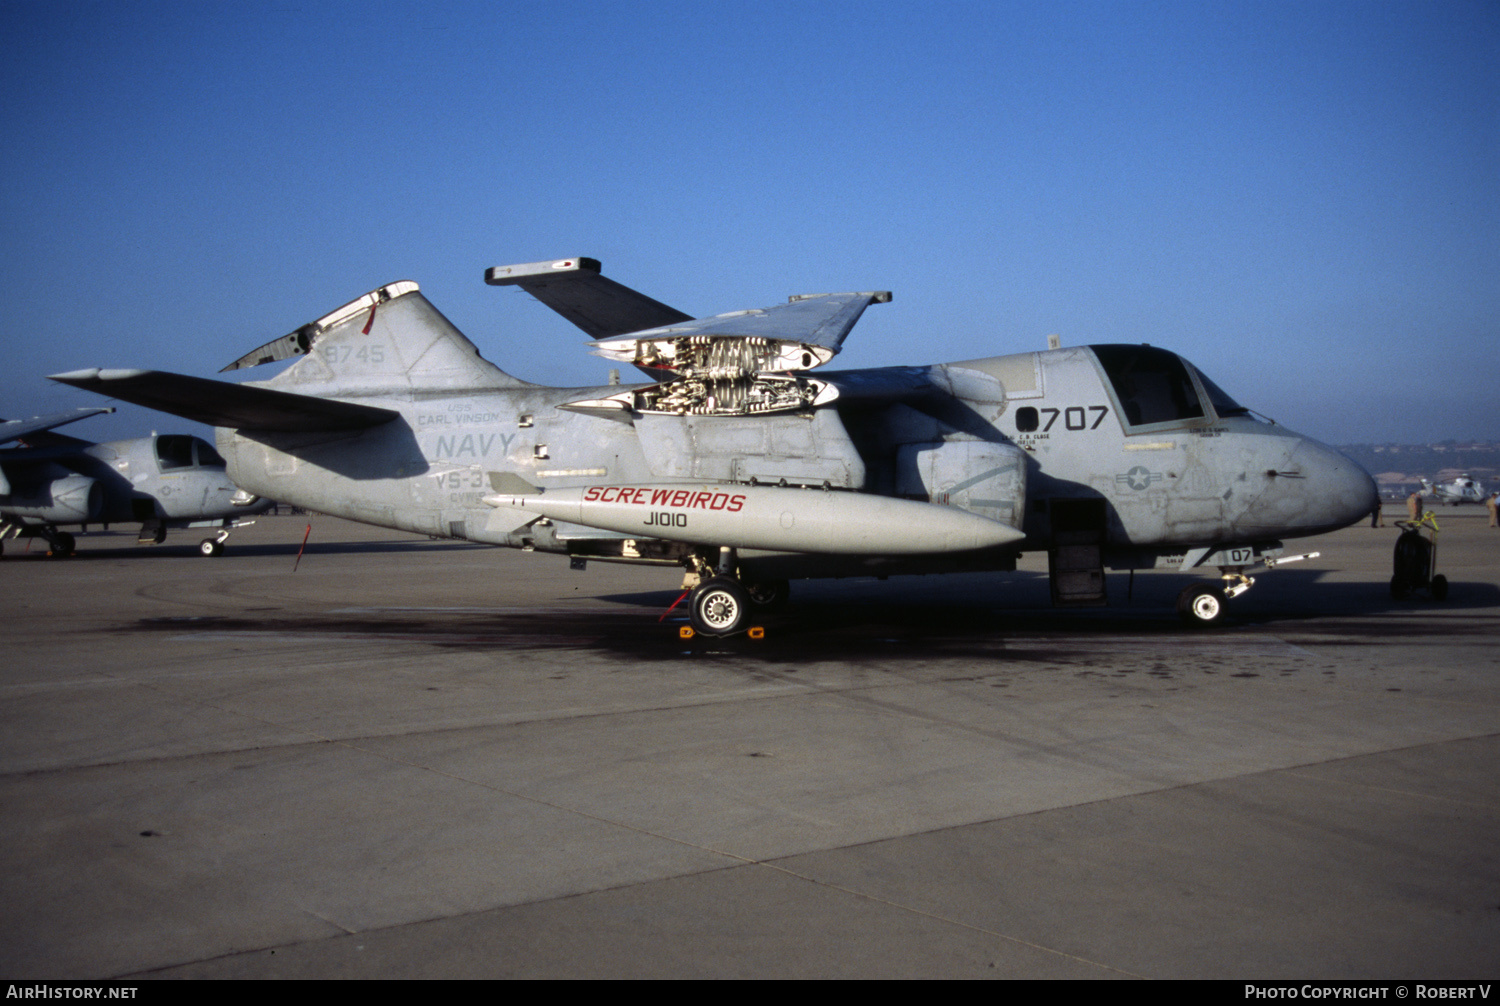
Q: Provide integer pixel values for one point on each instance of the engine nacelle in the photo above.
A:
(72, 499)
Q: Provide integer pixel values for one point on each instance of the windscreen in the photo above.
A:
(1219, 398)
(208, 457)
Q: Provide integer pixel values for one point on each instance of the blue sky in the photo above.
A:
(1301, 198)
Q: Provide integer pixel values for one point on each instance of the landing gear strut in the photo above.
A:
(213, 546)
(1205, 603)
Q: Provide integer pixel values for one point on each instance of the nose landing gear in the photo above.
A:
(1201, 603)
(1204, 603)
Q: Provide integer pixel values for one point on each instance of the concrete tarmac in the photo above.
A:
(413, 758)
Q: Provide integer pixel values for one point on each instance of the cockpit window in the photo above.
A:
(208, 457)
(174, 451)
(1153, 385)
(1219, 398)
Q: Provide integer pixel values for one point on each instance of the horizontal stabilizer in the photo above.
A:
(575, 289)
(15, 429)
(220, 403)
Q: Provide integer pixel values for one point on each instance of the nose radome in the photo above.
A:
(1341, 492)
(1307, 489)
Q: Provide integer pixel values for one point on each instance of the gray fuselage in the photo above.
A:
(1131, 441)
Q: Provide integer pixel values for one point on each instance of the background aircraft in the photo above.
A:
(747, 472)
(161, 481)
(1463, 489)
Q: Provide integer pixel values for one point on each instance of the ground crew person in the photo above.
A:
(1491, 504)
(1414, 506)
(1377, 519)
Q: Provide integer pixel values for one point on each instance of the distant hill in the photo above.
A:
(1401, 464)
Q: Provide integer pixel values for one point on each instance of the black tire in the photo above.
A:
(719, 607)
(1202, 604)
(61, 546)
(1440, 588)
(211, 547)
(1400, 588)
(769, 595)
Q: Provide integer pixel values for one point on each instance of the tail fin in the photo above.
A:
(389, 340)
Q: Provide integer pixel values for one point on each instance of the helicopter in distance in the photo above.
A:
(1462, 489)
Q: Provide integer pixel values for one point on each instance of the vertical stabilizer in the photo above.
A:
(388, 341)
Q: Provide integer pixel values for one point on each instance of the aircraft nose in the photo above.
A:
(1340, 492)
(1308, 490)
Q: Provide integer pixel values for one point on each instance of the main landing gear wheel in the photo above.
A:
(61, 545)
(719, 607)
(211, 547)
(1201, 604)
(768, 595)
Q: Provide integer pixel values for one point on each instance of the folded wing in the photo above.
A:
(575, 289)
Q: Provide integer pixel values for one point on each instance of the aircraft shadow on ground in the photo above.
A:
(1148, 604)
(875, 616)
(869, 621)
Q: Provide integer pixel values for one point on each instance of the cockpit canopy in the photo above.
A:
(1155, 387)
(176, 451)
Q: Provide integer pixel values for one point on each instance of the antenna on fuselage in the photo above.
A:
(1054, 341)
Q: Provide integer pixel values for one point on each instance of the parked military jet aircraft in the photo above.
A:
(1463, 489)
(748, 472)
(162, 481)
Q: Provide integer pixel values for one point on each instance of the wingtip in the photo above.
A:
(89, 375)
